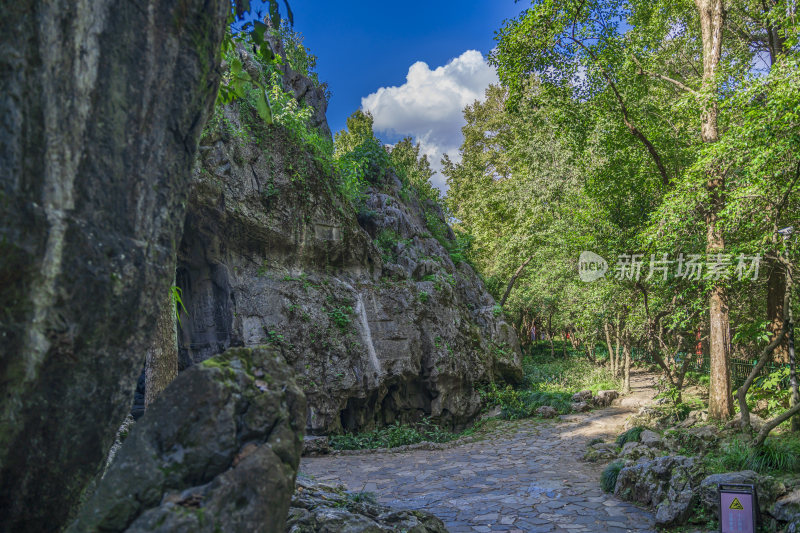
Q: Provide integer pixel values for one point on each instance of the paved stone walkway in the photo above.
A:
(525, 476)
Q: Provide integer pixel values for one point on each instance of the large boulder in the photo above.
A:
(274, 253)
(547, 411)
(769, 489)
(600, 451)
(101, 108)
(651, 439)
(316, 445)
(604, 398)
(581, 407)
(318, 508)
(787, 508)
(582, 396)
(217, 451)
(633, 451)
(666, 483)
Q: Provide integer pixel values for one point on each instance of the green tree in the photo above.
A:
(413, 169)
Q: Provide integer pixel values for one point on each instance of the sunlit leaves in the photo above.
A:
(252, 35)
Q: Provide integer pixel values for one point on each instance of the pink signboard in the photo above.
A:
(736, 512)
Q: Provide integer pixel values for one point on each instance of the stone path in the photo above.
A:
(526, 476)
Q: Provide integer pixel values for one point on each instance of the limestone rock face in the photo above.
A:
(787, 508)
(217, 451)
(666, 483)
(651, 439)
(378, 321)
(319, 508)
(101, 108)
(634, 451)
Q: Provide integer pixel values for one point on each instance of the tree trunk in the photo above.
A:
(795, 424)
(626, 381)
(618, 354)
(720, 404)
(776, 287)
(590, 352)
(607, 330)
(161, 362)
(102, 106)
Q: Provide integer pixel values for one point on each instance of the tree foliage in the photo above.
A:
(594, 140)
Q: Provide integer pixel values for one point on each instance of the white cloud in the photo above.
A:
(429, 105)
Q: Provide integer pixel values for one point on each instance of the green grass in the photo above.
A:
(516, 403)
(632, 435)
(775, 455)
(396, 435)
(547, 381)
(608, 479)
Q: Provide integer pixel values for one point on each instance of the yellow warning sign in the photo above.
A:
(736, 504)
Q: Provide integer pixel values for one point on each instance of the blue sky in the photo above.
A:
(365, 46)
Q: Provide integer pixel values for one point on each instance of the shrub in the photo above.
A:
(296, 117)
(566, 375)
(608, 479)
(366, 163)
(386, 242)
(341, 316)
(632, 435)
(298, 56)
(515, 404)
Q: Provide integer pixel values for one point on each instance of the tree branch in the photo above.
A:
(676, 83)
(775, 422)
(741, 393)
(786, 194)
(625, 117)
(513, 280)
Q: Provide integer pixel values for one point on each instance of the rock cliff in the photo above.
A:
(101, 106)
(377, 320)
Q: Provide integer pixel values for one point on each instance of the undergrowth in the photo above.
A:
(776, 455)
(515, 403)
(632, 435)
(573, 374)
(398, 434)
(608, 479)
(547, 381)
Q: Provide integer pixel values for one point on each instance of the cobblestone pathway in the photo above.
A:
(525, 476)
